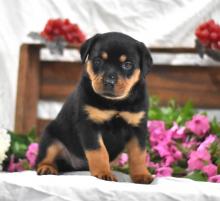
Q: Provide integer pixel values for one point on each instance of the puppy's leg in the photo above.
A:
(98, 160)
(48, 153)
(137, 162)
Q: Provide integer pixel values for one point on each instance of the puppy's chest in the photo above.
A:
(101, 116)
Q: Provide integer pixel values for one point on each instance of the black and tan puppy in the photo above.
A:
(106, 113)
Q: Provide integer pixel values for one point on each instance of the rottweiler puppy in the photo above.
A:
(106, 114)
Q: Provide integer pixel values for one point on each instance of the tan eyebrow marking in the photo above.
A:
(122, 58)
(104, 55)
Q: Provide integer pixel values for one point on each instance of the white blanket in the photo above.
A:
(157, 22)
(27, 186)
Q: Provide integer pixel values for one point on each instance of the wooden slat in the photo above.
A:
(152, 49)
(59, 79)
(27, 89)
(201, 85)
(39, 46)
(173, 50)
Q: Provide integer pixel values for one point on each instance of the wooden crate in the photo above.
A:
(54, 80)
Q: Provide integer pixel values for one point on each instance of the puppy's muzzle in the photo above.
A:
(109, 81)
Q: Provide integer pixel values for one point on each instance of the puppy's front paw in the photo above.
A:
(46, 169)
(142, 178)
(106, 176)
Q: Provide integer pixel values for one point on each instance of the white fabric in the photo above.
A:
(157, 22)
(28, 186)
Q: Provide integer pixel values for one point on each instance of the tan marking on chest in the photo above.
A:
(99, 116)
(133, 118)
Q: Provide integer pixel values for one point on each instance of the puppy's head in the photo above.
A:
(116, 62)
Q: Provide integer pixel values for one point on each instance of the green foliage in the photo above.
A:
(124, 169)
(171, 112)
(214, 150)
(215, 127)
(178, 171)
(20, 143)
(197, 176)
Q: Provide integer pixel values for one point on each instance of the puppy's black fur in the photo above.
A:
(113, 80)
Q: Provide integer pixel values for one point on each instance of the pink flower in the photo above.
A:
(15, 166)
(156, 126)
(148, 161)
(198, 125)
(210, 170)
(153, 165)
(207, 142)
(168, 161)
(157, 132)
(198, 159)
(162, 149)
(177, 132)
(164, 171)
(31, 153)
(175, 152)
(123, 159)
(190, 144)
(195, 164)
(12, 164)
(215, 179)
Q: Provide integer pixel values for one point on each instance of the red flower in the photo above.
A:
(208, 33)
(63, 28)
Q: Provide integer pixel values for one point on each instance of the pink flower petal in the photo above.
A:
(210, 170)
(198, 125)
(164, 172)
(215, 179)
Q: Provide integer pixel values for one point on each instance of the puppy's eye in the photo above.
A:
(97, 61)
(127, 65)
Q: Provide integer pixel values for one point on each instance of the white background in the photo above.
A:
(155, 22)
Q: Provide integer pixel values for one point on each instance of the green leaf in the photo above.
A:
(25, 165)
(20, 143)
(123, 169)
(197, 176)
(152, 170)
(31, 135)
(171, 112)
(215, 127)
(178, 171)
(217, 162)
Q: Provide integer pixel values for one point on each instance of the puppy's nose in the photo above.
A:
(110, 80)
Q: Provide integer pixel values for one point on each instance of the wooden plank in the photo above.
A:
(39, 46)
(173, 50)
(60, 71)
(27, 89)
(59, 79)
(200, 85)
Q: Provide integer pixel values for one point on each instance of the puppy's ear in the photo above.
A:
(146, 60)
(86, 47)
